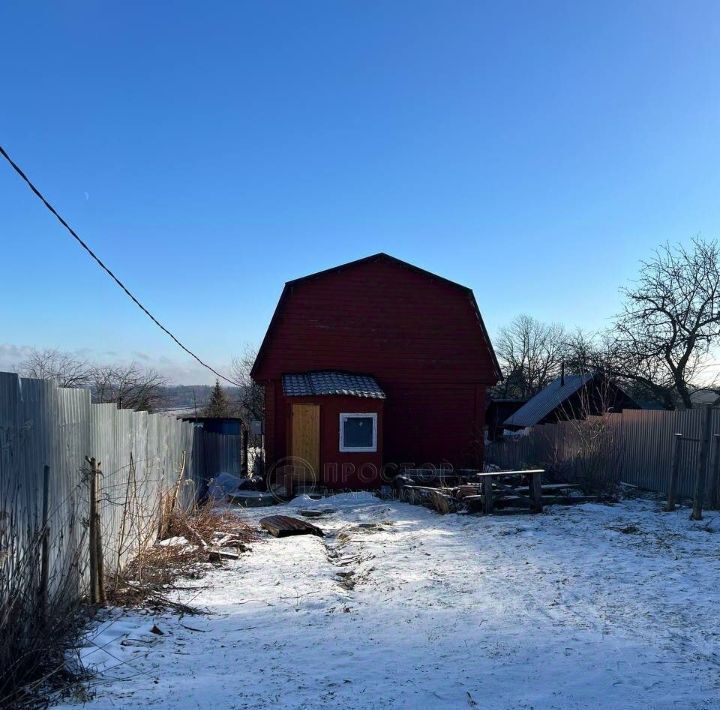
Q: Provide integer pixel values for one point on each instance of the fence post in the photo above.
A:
(97, 584)
(672, 484)
(45, 547)
(91, 524)
(715, 481)
(98, 541)
(702, 467)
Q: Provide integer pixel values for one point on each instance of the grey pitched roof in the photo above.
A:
(328, 382)
(539, 406)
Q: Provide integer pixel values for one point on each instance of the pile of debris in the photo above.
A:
(467, 490)
(187, 542)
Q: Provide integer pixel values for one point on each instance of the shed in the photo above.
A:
(217, 425)
(571, 397)
(374, 366)
(229, 452)
(498, 410)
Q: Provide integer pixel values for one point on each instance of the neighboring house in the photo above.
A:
(571, 397)
(704, 397)
(498, 410)
(374, 363)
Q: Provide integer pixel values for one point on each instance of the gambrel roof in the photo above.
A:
(380, 257)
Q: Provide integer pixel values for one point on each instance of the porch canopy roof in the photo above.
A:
(330, 382)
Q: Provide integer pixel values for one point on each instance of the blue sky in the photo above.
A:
(211, 151)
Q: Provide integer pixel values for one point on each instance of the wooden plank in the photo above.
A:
(568, 500)
(490, 474)
(550, 487)
(468, 488)
(284, 525)
(506, 500)
(429, 489)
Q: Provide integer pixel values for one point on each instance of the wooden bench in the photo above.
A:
(490, 478)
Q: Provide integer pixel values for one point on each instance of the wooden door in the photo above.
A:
(306, 441)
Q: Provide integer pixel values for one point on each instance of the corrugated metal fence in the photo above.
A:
(637, 445)
(222, 454)
(141, 458)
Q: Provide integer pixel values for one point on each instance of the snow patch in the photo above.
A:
(399, 607)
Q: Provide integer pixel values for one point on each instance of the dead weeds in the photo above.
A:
(190, 543)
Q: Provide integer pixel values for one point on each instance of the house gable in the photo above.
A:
(382, 316)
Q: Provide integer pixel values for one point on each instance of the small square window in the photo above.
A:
(358, 432)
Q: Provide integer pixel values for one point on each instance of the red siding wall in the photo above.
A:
(341, 469)
(419, 336)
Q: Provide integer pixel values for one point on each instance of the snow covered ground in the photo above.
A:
(399, 607)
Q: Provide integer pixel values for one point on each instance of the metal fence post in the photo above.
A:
(672, 484)
(715, 481)
(702, 467)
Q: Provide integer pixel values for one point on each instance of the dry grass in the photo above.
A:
(155, 571)
(208, 523)
(35, 636)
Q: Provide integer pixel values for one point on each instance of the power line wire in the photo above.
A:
(127, 291)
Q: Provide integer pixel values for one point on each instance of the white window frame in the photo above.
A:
(344, 416)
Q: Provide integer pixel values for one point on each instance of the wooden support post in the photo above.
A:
(487, 495)
(92, 522)
(98, 541)
(45, 547)
(535, 482)
(178, 483)
(674, 469)
(161, 517)
(97, 567)
(702, 466)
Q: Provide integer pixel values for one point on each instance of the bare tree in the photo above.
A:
(670, 320)
(64, 368)
(593, 457)
(128, 386)
(582, 352)
(587, 352)
(531, 354)
(251, 394)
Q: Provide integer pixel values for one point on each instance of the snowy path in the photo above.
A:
(400, 607)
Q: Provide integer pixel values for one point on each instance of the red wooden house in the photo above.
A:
(373, 366)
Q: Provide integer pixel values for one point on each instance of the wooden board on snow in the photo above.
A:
(284, 525)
